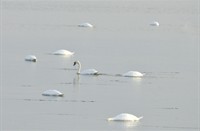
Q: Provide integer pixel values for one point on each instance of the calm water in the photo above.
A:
(122, 40)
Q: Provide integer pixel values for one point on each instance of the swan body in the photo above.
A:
(133, 74)
(85, 72)
(63, 52)
(31, 58)
(154, 23)
(125, 117)
(86, 25)
(52, 93)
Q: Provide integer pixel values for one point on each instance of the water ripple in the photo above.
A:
(47, 100)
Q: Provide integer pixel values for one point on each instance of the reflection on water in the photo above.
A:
(57, 99)
(76, 81)
(124, 124)
(137, 80)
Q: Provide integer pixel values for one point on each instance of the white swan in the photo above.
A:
(52, 93)
(133, 74)
(154, 23)
(86, 25)
(63, 52)
(31, 58)
(125, 117)
(85, 72)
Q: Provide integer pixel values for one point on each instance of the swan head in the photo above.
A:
(34, 60)
(76, 62)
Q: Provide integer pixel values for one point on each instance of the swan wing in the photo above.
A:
(85, 25)
(125, 117)
(154, 23)
(63, 52)
(52, 93)
(89, 72)
(133, 74)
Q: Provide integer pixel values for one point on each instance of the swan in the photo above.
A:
(63, 52)
(154, 23)
(31, 58)
(86, 25)
(85, 72)
(133, 74)
(125, 117)
(52, 93)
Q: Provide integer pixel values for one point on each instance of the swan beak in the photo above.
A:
(74, 64)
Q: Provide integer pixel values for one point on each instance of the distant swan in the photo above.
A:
(52, 93)
(85, 72)
(133, 74)
(154, 23)
(63, 52)
(86, 25)
(31, 58)
(125, 117)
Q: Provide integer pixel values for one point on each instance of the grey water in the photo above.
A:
(122, 40)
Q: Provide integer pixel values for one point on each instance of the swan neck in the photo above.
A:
(79, 68)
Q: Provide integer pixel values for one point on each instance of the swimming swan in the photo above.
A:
(154, 23)
(86, 25)
(85, 72)
(133, 74)
(125, 117)
(52, 93)
(63, 52)
(31, 58)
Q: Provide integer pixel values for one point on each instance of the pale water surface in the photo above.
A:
(122, 40)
